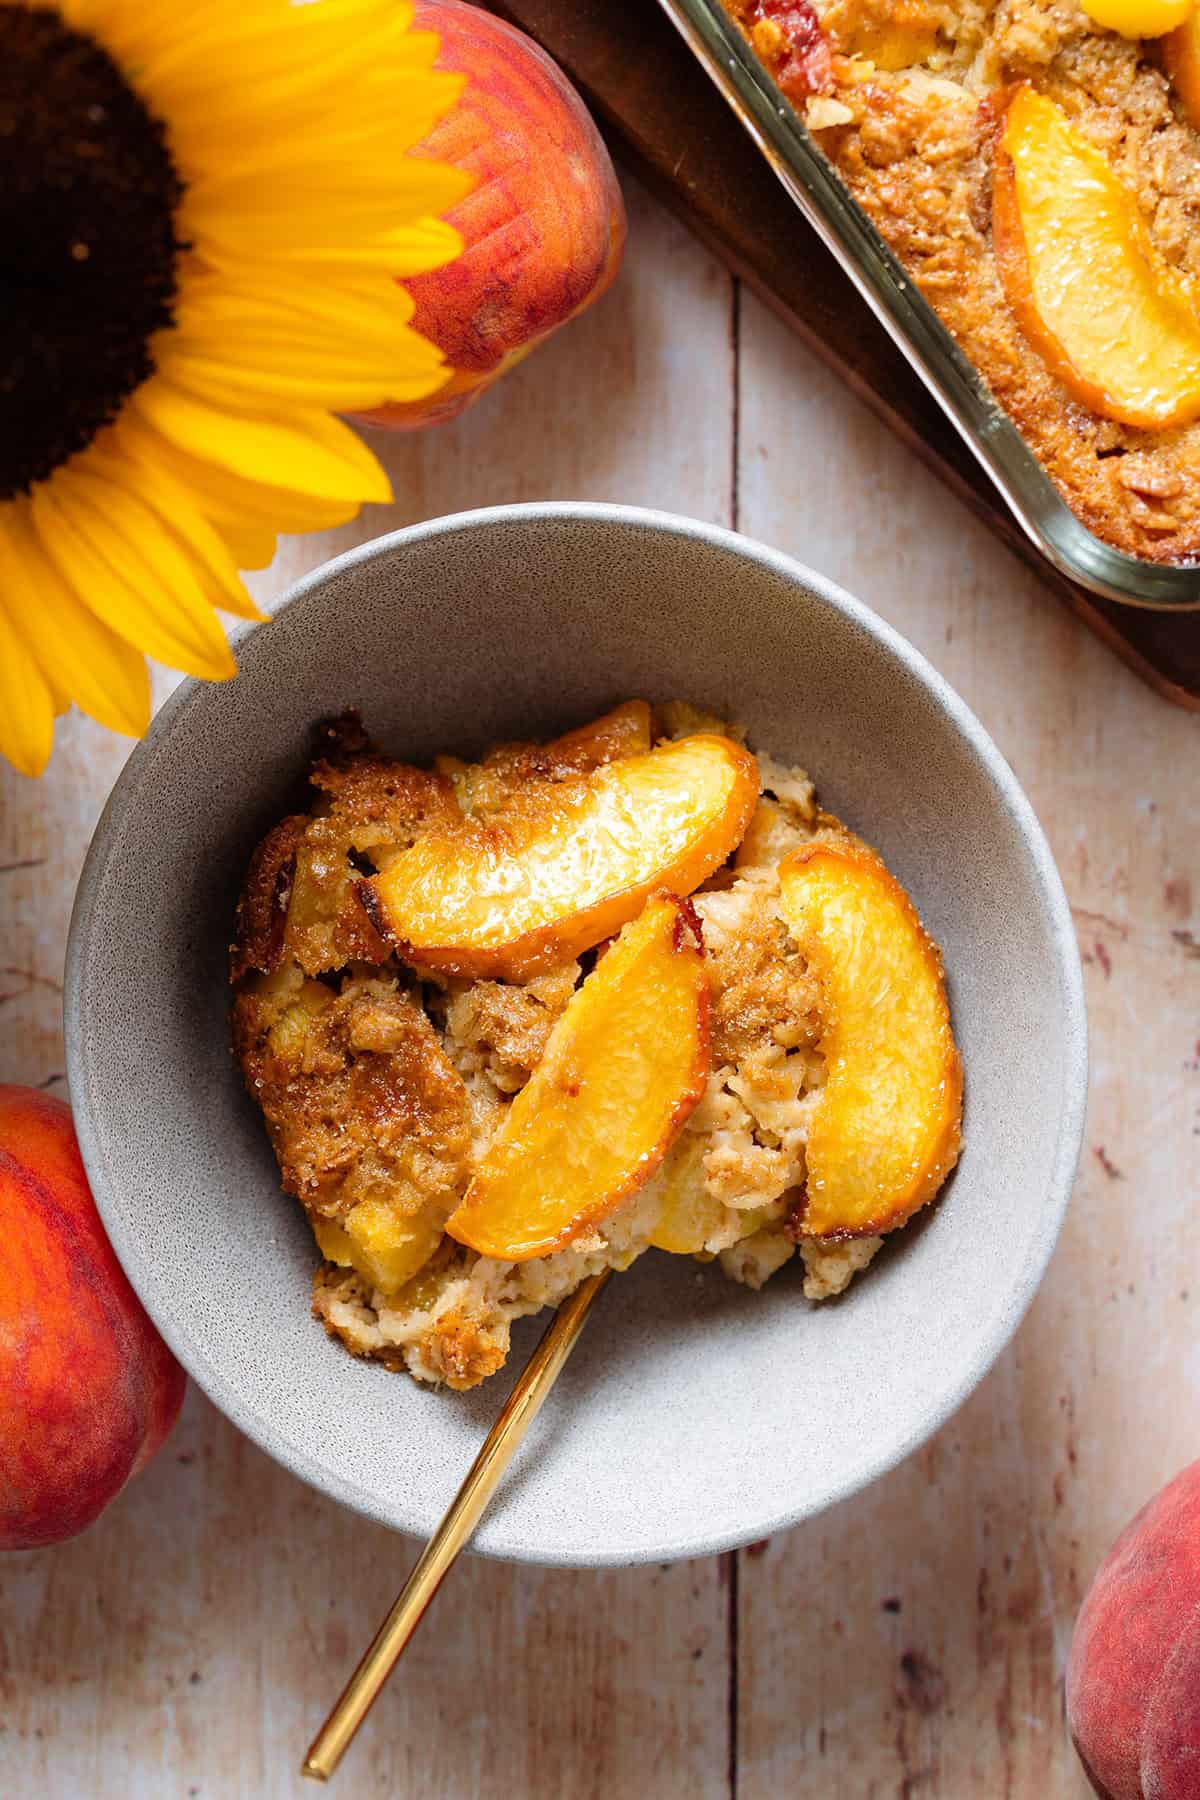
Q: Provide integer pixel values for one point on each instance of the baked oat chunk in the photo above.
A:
(509, 1023)
(908, 102)
(369, 1122)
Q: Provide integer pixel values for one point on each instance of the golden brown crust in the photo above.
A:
(375, 804)
(266, 895)
(466, 1349)
(299, 898)
(510, 773)
(358, 1095)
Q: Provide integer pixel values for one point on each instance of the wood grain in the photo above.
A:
(684, 141)
(907, 1644)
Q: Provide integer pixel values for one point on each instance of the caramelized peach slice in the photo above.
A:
(1111, 318)
(688, 1213)
(625, 731)
(625, 1065)
(1138, 18)
(906, 37)
(886, 1130)
(1181, 58)
(567, 866)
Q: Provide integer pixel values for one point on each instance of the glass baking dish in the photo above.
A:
(913, 325)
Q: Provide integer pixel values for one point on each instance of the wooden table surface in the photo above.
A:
(909, 1643)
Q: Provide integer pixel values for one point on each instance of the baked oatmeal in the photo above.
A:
(912, 101)
(386, 1080)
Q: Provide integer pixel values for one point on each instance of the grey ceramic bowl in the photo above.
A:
(694, 1414)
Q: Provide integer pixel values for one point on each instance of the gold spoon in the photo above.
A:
(467, 1508)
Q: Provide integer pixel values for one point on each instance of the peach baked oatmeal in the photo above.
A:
(1035, 165)
(514, 1022)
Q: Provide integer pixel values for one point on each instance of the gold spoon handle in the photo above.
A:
(499, 1447)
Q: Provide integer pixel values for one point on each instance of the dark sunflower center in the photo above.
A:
(88, 248)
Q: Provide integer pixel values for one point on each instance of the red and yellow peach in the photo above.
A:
(543, 228)
(1133, 1675)
(88, 1389)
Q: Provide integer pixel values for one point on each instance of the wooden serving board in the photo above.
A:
(686, 144)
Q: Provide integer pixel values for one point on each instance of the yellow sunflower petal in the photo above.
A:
(26, 702)
(105, 677)
(211, 126)
(298, 189)
(250, 547)
(266, 41)
(340, 302)
(257, 222)
(396, 103)
(179, 516)
(124, 24)
(59, 696)
(307, 452)
(411, 249)
(342, 345)
(109, 546)
(251, 370)
(225, 498)
(397, 116)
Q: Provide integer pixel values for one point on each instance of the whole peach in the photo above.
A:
(544, 226)
(88, 1389)
(1133, 1675)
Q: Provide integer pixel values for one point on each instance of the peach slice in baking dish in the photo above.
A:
(1110, 317)
(568, 863)
(885, 1133)
(1181, 58)
(624, 1067)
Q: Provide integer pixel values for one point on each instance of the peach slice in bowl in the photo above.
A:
(885, 1133)
(568, 863)
(624, 1067)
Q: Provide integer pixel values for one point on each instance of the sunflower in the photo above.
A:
(204, 209)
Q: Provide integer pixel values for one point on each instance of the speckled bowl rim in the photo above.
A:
(1013, 802)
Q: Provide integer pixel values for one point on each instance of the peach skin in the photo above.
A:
(88, 1389)
(1133, 1674)
(544, 227)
